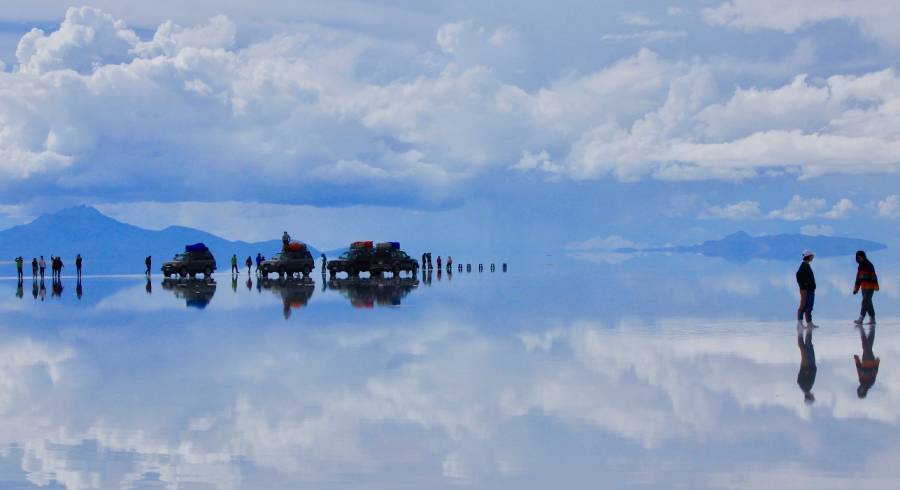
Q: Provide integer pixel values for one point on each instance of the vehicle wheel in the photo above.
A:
(183, 272)
(207, 272)
(167, 274)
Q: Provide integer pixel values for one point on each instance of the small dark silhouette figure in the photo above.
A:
(79, 290)
(58, 265)
(43, 291)
(504, 267)
(19, 267)
(34, 288)
(806, 281)
(147, 263)
(285, 240)
(428, 256)
(468, 267)
(249, 263)
(34, 268)
(449, 263)
(867, 280)
(439, 274)
(867, 367)
(234, 283)
(249, 282)
(806, 377)
(20, 289)
(78, 265)
(426, 277)
(148, 286)
(259, 261)
(459, 268)
(424, 263)
(480, 267)
(234, 268)
(57, 287)
(493, 268)
(43, 266)
(439, 262)
(324, 262)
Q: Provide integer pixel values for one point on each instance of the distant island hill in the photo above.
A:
(112, 247)
(742, 247)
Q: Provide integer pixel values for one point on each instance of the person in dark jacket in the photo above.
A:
(34, 268)
(806, 281)
(147, 263)
(324, 262)
(259, 261)
(867, 281)
(806, 377)
(78, 265)
(249, 263)
(867, 367)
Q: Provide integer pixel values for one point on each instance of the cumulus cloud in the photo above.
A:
(799, 208)
(817, 230)
(740, 210)
(889, 207)
(841, 209)
(877, 20)
(93, 108)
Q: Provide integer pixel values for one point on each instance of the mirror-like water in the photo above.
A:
(657, 372)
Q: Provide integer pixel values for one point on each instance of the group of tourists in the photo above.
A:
(39, 267)
(866, 283)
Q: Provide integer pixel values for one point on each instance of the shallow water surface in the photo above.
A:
(666, 372)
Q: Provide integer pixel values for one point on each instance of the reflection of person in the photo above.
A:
(806, 281)
(806, 377)
(867, 281)
(79, 290)
(148, 287)
(867, 367)
(20, 289)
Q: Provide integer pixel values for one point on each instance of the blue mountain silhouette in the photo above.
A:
(741, 247)
(110, 246)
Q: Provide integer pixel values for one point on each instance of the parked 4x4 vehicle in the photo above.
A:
(293, 259)
(378, 259)
(196, 259)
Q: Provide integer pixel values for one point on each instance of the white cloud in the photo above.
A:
(877, 19)
(636, 19)
(799, 208)
(646, 36)
(817, 230)
(890, 206)
(841, 209)
(740, 210)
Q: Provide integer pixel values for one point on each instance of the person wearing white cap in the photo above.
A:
(806, 280)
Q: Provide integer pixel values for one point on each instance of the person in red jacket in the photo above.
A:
(867, 281)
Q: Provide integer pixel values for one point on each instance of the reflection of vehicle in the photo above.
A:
(196, 259)
(363, 257)
(366, 293)
(295, 293)
(196, 293)
(289, 262)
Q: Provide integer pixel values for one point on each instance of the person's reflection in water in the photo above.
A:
(43, 290)
(806, 377)
(324, 283)
(867, 367)
(79, 290)
(20, 289)
(249, 283)
(34, 288)
(259, 286)
(426, 277)
(234, 283)
(57, 287)
(149, 286)
(439, 275)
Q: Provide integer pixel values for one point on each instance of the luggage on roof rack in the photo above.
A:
(362, 244)
(389, 245)
(196, 247)
(296, 246)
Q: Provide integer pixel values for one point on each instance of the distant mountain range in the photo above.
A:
(110, 246)
(741, 247)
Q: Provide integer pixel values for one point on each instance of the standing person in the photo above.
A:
(439, 263)
(259, 261)
(424, 265)
(34, 268)
(867, 280)
(806, 281)
(78, 265)
(449, 263)
(147, 263)
(323, 263)
(59, 267)
(867, 367)
(234, 269)
(249, 263)
(285, 240)
(19, 262)
(806, 377)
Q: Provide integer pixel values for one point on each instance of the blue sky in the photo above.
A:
(536, 123)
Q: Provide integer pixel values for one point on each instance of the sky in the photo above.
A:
(534, 124)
